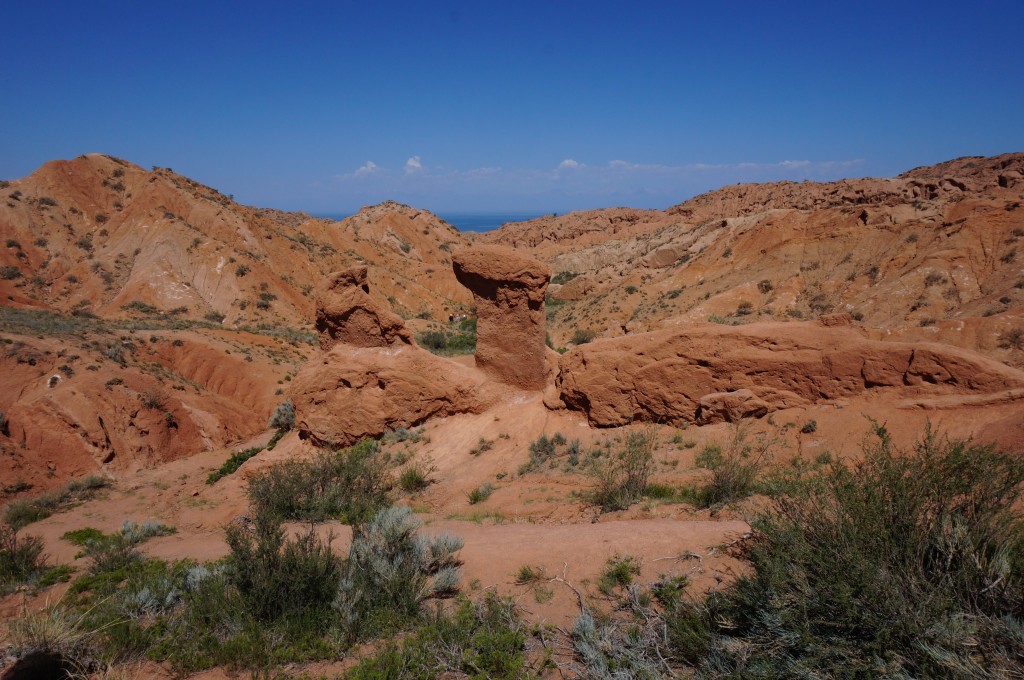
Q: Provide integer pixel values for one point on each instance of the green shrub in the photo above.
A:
(709, 457)
(529, 574)
(481, 493)
(582, 336)
(390, 572)
(350, 485)
(906, 564)
(809, 427)
(619, 572)
(735, 470)
(115, 552)
(477, 640)
(278, 577)
(415, 477)
(21, 558)
(232, 464)
(622, 479)
(446, 343)
(1012, 338)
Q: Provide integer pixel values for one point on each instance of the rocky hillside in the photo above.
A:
(931, 254)
(100, 234)
(147, 317)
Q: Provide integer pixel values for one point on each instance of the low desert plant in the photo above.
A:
(21, 558)
(350, 485)
(415, 477)
(734, 469)
(623, 478)
(582, 336)
(481, 493)
(480, 640)
(24, 511)
(278, 577)
(391, 571)
(1012, 338)
(284, 416)
(905, 564)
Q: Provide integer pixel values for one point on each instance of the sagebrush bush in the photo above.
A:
(350, 485)
(284, 416)
(907, 564)
(391, 570)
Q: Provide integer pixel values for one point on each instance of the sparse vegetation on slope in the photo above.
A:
(908, 563)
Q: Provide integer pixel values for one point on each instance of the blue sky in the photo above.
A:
(525, 106)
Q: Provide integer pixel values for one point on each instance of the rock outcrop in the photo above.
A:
(679, 375)
(356, 392)
(345, 313)
(729, 407)
(508, 290)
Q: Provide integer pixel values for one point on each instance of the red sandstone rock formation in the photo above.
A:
(356, 392)
(345, 313)
(508, 290)
(676, 375)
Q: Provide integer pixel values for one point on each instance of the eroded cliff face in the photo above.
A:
(708, 372)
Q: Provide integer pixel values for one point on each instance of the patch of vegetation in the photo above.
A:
(622, 479)
(21, 558)
(478, 640)
(908, 563)
(404, 434)
(1012, 338)
(284, 416)
(391, 571)
(141, 307)
(415, 477)
(460, 340)
(350, 485)
(582, 336)
(563, 277)
(24, 511)
(734, 469)
(231, 465)
(481, 493)
(619, 572)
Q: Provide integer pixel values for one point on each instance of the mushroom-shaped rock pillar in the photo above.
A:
(508, 289)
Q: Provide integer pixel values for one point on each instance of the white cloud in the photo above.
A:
(616, 182)
(367, 169)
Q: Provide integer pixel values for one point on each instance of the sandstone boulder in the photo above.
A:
(345, 313)
(508, 290)
(356, 392)
(729, 407)
(662, 375)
